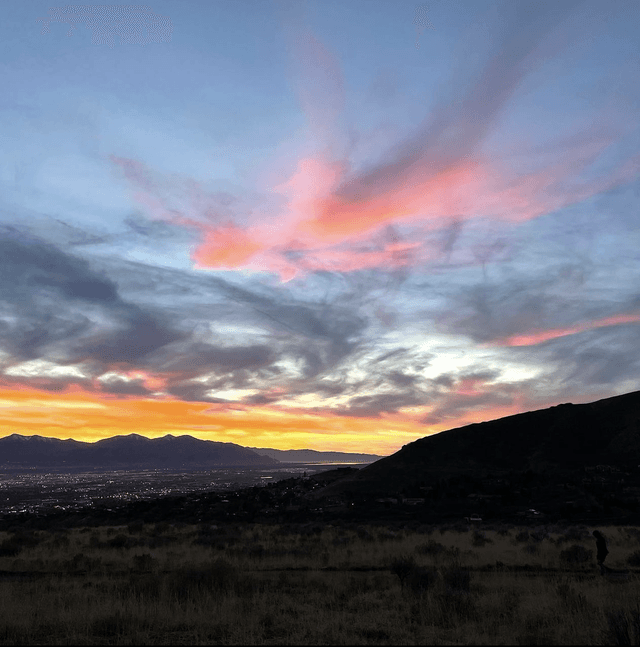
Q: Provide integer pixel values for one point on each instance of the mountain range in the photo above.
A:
(136, 451)
(313, 456)
(560, 438)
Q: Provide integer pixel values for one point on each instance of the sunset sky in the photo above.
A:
(334, 224)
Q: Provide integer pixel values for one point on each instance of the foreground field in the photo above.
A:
(260, 584)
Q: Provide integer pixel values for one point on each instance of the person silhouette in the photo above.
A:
(601, 545)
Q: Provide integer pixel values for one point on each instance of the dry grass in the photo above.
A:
(315, 585)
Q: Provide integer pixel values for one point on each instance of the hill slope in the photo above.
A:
(564, 437)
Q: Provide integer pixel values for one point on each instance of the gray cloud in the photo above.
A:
(32, 265)
(189, 391)
(199, 357)
(51, 297)
(123, 387)
(52, 384)
(401, 379)
(371, 406)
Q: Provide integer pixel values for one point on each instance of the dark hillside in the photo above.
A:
(564, 437)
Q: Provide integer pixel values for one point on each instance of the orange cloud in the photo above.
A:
(541, 336)
(225, 247)
(470, 386)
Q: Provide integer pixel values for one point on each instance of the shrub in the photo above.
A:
(10, 547)
(135, 527)
(575, 554)
(144, 563)
(633, 533)
(121, 541)
(539, 534)
(257, 551)
(570, 599)
(457, 579)
(479, 539)
(574, 534)
(421, 579)
(221, 575)
(365, 535)
(403, 567)
(431, 547)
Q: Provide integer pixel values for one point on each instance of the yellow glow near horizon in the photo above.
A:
(90, 417)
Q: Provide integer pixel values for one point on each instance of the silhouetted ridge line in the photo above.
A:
(562, 437)
(133, 450)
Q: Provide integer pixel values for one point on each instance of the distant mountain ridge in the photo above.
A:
(313, 456)
(132, 450)
(168, 452)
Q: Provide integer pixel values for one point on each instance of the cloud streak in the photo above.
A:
(332, 217)
(541, 336)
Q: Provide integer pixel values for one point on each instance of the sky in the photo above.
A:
(334, 224)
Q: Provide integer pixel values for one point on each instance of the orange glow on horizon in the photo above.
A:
(88, 417)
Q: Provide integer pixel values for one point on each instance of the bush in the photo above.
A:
(479, 539)
(571, 600)
(403, 567)
(220, 576)
(574, 534)
(457, 579)
(421, 579)
(144, 563)
(539, 534)
(365, 535)
(135, 527)
(10, 547)
(431, 547)
(121, 541)
(575, 554)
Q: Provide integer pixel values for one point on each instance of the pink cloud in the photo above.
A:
(540, 336)
(330, 217)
